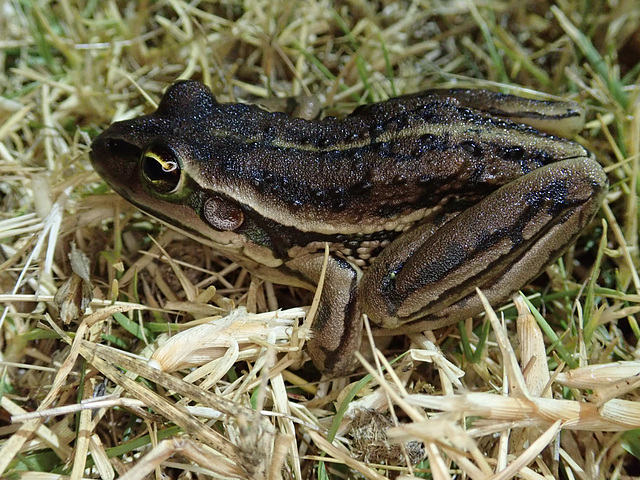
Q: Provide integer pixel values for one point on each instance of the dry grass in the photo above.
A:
(556, 398)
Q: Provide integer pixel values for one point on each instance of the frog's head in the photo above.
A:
(147, 152)
(154, 162)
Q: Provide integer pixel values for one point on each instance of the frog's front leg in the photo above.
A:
(337, 327)
(428, 276)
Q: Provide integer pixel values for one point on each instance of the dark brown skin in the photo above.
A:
(420, 198)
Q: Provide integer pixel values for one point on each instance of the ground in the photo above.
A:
(547, 394)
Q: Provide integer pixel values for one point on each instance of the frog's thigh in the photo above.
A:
(564, 118)
(499, 245)
(337, 327)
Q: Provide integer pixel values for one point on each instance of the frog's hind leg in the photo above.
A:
(563, 118)
(499, 245)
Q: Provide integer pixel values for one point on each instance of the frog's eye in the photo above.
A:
(161, 170)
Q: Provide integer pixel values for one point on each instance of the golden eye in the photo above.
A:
(161, 170)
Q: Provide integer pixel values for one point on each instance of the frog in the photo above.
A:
(419, 200)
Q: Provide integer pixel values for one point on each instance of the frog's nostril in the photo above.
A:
(115, 144)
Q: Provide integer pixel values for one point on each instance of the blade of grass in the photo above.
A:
(593, 57)
(591, 321)
(551, 334)
(498, 65)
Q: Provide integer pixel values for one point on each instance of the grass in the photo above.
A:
(549, 392)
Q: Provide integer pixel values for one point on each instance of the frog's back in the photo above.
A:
(383, 167)
(380, 163)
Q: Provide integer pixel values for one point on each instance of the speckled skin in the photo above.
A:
(420, 198)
